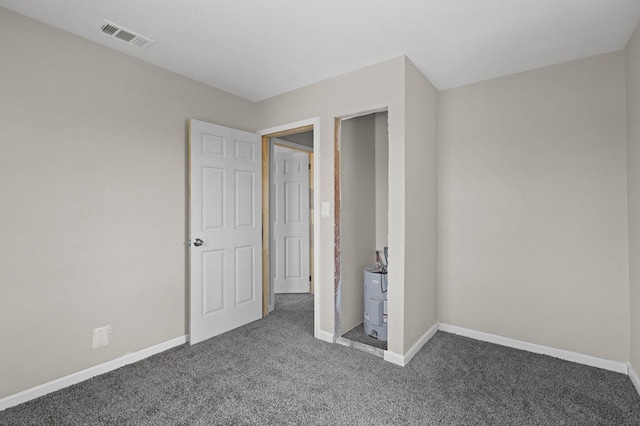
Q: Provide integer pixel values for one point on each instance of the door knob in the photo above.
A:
(198, 242)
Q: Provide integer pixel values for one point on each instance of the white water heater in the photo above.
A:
(375, 302)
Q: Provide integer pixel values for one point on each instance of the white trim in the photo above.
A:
(634, 378)
(394, 358)
(317, 288)
(619, 367)
(403, 360)
(315, 122)
(323, 335)
(72, 379)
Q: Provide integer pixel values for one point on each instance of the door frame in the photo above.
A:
(274, 132)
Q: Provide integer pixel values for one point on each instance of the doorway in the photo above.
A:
(290, 219)
(295, 141)
(361, 168)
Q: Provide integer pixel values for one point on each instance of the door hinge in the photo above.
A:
(309, 278)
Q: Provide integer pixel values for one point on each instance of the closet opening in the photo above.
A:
(362, 253)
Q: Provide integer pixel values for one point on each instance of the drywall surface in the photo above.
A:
(377, 87)
(382, 180)
(93, 216)
(532, 241)
(357, 214)
(633, 182)
(421, 124)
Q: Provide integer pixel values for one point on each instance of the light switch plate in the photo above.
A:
(325, 209)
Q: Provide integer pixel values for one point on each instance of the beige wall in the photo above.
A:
(633, 181)
(532, 207)
(93, 184)
(421, 123)
(397, 86)
(357, 214)
(373, 88)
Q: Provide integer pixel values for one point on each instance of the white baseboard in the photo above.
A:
(72, 379)
(634, 378)
(619, 367)
(325, 336)
(394, 358)
(403, 360)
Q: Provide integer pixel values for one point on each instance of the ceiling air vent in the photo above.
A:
(129, 37)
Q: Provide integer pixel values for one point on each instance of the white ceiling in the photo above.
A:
(259, 48)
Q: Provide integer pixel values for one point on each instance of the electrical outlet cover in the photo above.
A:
(101, 336)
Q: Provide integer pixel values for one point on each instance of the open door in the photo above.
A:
(290, 213)
(225, 252)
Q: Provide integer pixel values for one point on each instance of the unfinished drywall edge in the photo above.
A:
(80, 376)
(403, 360)
(592, 361)
(634, 378)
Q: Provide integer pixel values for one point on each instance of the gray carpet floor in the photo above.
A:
(273, 372)
(357, 334)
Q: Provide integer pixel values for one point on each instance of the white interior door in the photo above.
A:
(290, 259)
(225, 229)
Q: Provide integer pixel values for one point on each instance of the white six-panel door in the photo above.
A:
(290, 259)
(225, 229)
